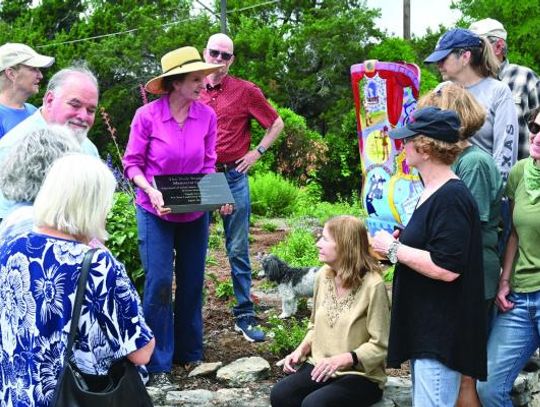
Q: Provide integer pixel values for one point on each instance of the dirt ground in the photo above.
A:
(221, 342)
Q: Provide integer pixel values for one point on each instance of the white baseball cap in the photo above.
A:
(488, 27)
(13, 53)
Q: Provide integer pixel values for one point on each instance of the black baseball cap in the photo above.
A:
(430, 122)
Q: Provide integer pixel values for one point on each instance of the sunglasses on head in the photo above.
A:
(534, 127)
(214, 53)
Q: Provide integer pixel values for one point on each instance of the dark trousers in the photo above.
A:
(299, 389)
(179, 335)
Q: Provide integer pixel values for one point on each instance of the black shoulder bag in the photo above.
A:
(121, 386)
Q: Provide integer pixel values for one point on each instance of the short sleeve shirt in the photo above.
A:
(10, 117)
(38, 279)
(433, 318)
(526, 219)
(478, 171)
(236, 102)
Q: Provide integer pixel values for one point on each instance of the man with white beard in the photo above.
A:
(71, 99)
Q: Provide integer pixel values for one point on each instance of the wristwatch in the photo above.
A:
(261, 149)
(392, 251)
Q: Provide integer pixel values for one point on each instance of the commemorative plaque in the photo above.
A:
(194, 192)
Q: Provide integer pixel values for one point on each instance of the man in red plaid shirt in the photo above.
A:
(236, 102)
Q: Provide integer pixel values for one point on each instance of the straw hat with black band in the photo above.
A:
(179, 61)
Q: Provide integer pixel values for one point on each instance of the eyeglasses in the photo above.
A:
(534, 127)
(214, 53)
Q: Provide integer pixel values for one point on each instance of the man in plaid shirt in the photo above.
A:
(523, 82)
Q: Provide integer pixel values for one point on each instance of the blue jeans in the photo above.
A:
(178, 336)
(236, 227)
(434, 384)
(514, 338)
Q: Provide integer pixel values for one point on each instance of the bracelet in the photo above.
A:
(354, 358)
(504, 279)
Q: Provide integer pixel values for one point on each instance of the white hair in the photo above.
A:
(76, 197)
(25, 167)
(63, 77)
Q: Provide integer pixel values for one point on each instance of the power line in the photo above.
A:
(161, 26)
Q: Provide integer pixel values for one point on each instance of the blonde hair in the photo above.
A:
(352, 248)
(451, 96)
(76, 196)
(438, 150)
(483, 60)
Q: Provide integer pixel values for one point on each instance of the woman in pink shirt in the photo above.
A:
(175, 134)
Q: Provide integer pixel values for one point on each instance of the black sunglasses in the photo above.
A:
(214, 53)
(534, 127)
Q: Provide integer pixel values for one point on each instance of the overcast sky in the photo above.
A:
(424, 14)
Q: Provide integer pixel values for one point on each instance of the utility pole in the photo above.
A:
(406, 19)
(224, 16)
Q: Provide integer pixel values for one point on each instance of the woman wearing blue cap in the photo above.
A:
(468, 60)
(438, 320)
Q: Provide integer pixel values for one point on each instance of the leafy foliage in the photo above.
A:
(298, 249)
(397, 49)
(298, 153)
(223, 288)
(520, 19)
(285, 334)
(307, 206)
(122, 242)
(272, 195)
(341, 174)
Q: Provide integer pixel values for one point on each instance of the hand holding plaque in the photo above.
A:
(193, 192)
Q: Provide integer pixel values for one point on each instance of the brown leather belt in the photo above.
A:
(224, 167)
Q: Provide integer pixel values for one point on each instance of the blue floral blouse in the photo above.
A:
(38, 280)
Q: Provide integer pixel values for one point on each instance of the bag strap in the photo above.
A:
(77, 304)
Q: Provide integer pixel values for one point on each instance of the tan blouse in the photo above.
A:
(358, 321)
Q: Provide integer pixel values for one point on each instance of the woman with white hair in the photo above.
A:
(39, 271)
(24, 170)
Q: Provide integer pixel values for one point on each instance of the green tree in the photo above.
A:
(397, 49)
(10, 10)
(520, 19)
(307, 49)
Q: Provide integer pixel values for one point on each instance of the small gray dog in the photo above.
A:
(293, 282)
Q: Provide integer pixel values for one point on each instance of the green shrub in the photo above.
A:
(269, 226)
(285, 334)
(216, 237)
(298, 249)
(224, 289)
(309, 205)
(272, 195)
(341, 175)
(297, 154)
(122, 242)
